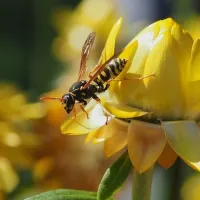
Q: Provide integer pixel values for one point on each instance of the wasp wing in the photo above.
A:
(101, 67)
(85, 53)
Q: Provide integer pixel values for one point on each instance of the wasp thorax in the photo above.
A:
(68, 102)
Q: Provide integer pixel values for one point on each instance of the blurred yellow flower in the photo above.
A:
(165, 107)
(74, 26)
(16, 142)
(191, 188)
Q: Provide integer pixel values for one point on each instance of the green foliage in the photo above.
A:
(65, 194)
(114, 177)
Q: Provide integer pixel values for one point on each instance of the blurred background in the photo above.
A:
(40, 45)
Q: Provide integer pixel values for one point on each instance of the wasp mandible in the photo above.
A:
(99, 82)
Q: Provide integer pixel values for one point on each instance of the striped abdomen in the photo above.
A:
(112, 70)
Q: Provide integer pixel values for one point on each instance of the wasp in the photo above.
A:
(82, 90)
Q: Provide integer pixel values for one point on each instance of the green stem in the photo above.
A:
(141, 189)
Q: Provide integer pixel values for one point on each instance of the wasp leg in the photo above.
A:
(82, 108)
(74, 111)
(127, 79)
(102, 88)
(96, 98)
(83, 103)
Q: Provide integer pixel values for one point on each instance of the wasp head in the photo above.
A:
(68, 102)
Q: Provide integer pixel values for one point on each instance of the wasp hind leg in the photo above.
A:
(128, 79)
(96, 98)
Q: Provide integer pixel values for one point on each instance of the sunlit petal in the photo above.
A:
(168, 157)
(146, 142)
(184, 137)
(123, 111)
(82, 125)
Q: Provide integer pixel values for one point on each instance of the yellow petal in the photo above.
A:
(168, 157)
(97, 135)
(82, 125)
(146, 142)
(193, 165)
(164, 61)
(195, 62)
(123, 111)
(192, 111)
(116, 136)
(128, 54)
(184, 47)
(8, 177)
(184, 137)
(109, 48)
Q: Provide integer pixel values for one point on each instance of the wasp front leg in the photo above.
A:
(83, 103)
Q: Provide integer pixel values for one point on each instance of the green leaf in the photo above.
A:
(114, 177)
(65, 194)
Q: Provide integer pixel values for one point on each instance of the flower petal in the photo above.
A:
(109, 48)
(193, 165)
(168, 157)
(146, 142)
(193, 101)
(195, 62)
(123, 111)
(184, 47)
(97, 135)
(116, 139)
(82, 125)
(146, 94)
(184, 137)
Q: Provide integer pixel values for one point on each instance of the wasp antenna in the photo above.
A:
(51, 98)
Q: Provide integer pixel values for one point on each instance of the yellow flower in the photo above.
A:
(165, 107)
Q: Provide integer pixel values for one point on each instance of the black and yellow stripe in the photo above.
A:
(112, 70)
